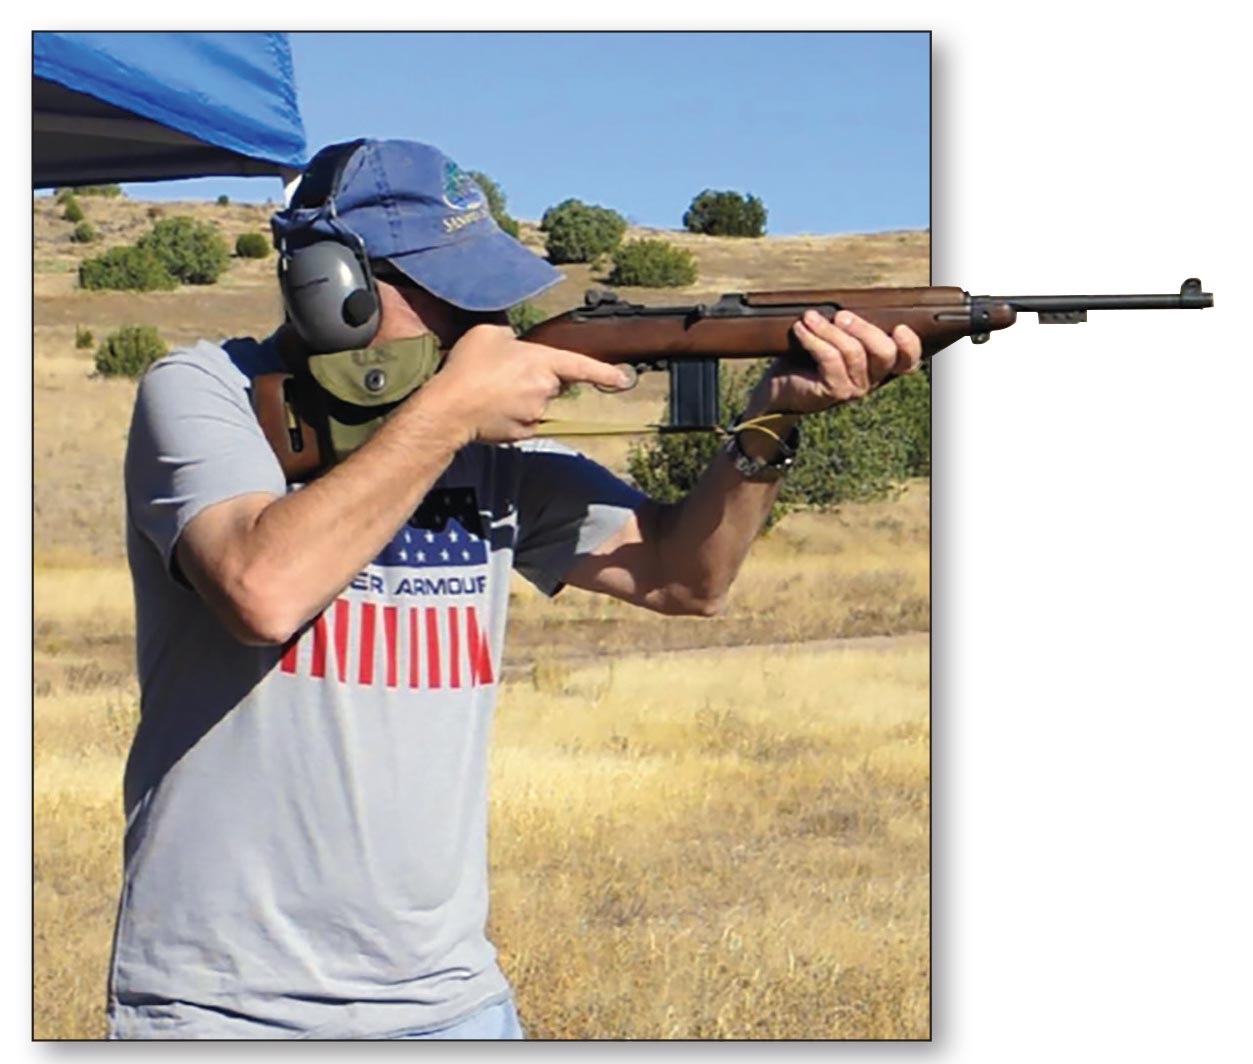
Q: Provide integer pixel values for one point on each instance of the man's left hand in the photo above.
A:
(851, 357)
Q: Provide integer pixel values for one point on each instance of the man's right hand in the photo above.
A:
(265, 565)
(495, 388)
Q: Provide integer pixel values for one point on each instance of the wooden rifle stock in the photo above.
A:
(754, 324)
(285, 423)
(759, 324)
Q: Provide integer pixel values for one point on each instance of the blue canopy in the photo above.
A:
(111, 107)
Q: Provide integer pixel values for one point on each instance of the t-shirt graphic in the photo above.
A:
(414, 617)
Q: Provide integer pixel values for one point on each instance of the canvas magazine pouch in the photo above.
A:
(356, 390)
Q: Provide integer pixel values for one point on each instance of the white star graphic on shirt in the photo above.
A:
(430, 537)
(465, 554)
(444, 555)
(452, 537)
(421, 556)
(406, 537)
(404, 556)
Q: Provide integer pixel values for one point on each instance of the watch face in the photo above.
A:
(757, 468)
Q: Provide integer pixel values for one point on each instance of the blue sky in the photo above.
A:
(831, 130)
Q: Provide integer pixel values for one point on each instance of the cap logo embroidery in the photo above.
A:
(461, 193)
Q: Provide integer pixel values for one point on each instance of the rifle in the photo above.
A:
(689, 342)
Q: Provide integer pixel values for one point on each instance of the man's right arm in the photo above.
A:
(266, 564)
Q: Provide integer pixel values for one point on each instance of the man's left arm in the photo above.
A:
(682, 558)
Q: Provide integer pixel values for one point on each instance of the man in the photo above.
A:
(306, 797)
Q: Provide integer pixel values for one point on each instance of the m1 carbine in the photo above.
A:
(689, 342)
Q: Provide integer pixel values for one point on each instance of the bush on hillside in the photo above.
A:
(496, 203)
(128, 268)
(84, 233)
(546, 221)
(725, 214)
(652, 264)
(73, 191)
(578, 232)
(224, 200)
(524, 316)
(859, 451)
(252, 245)
(129, 351)
(82, 337)
(73, 211)
(191, 251)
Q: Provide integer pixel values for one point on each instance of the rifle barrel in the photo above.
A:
(1188, 297)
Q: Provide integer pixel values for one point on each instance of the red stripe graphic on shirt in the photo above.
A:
(480, 652)
(341, 639)
(432, 647)
(389, 638)
(318, 666)
(413, 647)
(365, 674)
(455, 651)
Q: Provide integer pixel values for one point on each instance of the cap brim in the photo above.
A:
(489, 272)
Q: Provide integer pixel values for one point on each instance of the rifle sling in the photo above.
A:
(567, 427)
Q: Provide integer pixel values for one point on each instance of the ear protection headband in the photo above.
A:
(328, 290)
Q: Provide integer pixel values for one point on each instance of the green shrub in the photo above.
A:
(73, 211)
(84, 233)
(578, 232)
(107, 191)
(252, 245)
(524, 316)
(860, 450)
(224, 200)
(82, 337)
(725, 214)
(852, 452)
(133, 268)
(546, 222)
(154, 213)
(129, 351)
(496, 203)
(191, 251)
(64, 195)
(652, 264)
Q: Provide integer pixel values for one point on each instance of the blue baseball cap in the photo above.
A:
(413, 206)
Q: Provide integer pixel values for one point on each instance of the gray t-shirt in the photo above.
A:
(306, 825)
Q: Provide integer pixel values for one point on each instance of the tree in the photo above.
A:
(496, 203)
(725, 214)
(192, 251)
(578, 232)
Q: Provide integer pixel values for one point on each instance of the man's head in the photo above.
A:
(405, 203)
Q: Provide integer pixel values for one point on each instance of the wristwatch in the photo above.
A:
(761, 469)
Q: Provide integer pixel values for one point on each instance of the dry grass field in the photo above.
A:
(700, 828)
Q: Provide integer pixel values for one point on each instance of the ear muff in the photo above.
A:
(328, 290)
